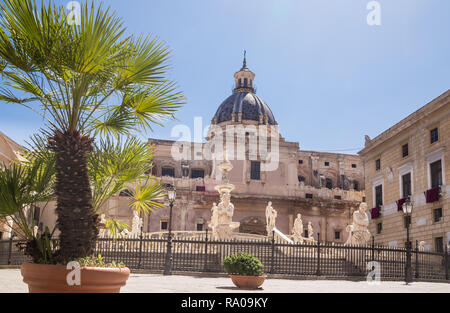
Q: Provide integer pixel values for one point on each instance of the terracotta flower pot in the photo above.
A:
(248, 282)
(43, 278)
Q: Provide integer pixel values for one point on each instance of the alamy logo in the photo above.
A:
(374, 276)
(74, 13)
(374, 16)
(73, 278)
(233, 142)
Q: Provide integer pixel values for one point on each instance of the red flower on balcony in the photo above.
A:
(376, 212)
(400, 204)
(432, 195)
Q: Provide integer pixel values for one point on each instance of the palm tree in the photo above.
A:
(86, 80)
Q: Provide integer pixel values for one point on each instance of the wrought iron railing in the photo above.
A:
(203, 254)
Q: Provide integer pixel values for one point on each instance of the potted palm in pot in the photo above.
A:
(87, 80)
(245, 270)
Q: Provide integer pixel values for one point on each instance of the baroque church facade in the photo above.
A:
(324, 187)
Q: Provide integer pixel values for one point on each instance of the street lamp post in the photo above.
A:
(171, 195)
(407, 210)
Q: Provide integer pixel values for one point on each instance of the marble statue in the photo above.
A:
(214, 218)
(298, 229)
(9, 227)
(310, 231)
(271, 216)
(35, 230)
(358, 231)
(422, 246)
(225, 211)
(136, 224)
(102, 225)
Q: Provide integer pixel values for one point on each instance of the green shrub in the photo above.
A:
(243, 264)
(97, 262)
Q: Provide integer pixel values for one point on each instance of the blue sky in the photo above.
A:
(328, 76)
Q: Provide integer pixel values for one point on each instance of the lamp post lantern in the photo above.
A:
(171, 195)
(407, 211)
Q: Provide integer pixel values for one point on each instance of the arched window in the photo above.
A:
(245, 82)
(240, 82)
(125, 193)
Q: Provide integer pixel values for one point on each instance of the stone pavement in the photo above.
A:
(11, 281)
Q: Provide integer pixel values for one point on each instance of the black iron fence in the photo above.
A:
(203, 254)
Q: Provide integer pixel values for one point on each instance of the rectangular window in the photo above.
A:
(327, 163)
(199, 227)
(379, 228)
(329, 183)
(301, 179)
(337, 235)
(306, 233)
(164, 225)
(309, 196)
(379, 195)
(353, 165)
(245, 82)
(436, 174)
(437, 215)
(197, 174)
(356, 185)
(434, 135)
(300, 161)
(406, 185)
(338, 197)
(439, 244)
(405, 150)
(168, 171)
(255, 170)
(378, 164)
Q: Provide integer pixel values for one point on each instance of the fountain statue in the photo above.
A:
(136, 224)
(298, 229)
(271, 216)
(359, 233)
(222, 214)
(310, 232)
(214, 217)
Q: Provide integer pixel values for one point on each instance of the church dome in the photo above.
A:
(244, 104)
(249, 105)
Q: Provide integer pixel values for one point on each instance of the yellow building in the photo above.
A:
(411, 159)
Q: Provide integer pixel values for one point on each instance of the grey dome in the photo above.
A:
(247, 103)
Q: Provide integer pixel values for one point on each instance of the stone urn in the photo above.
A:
(248, 282)
(43, 278)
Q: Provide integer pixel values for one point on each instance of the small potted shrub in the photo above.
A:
(245, 270)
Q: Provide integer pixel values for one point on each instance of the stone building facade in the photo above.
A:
(411, 159)
(324, 187)
(9, 151)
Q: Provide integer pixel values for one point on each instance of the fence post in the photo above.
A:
(140, 250)
(205, 266)
(417, 259)
(10, 248)
(373, 248)
(318, 255)
(446, 262)
(273, 252)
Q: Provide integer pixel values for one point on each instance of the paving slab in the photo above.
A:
(11, 281)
